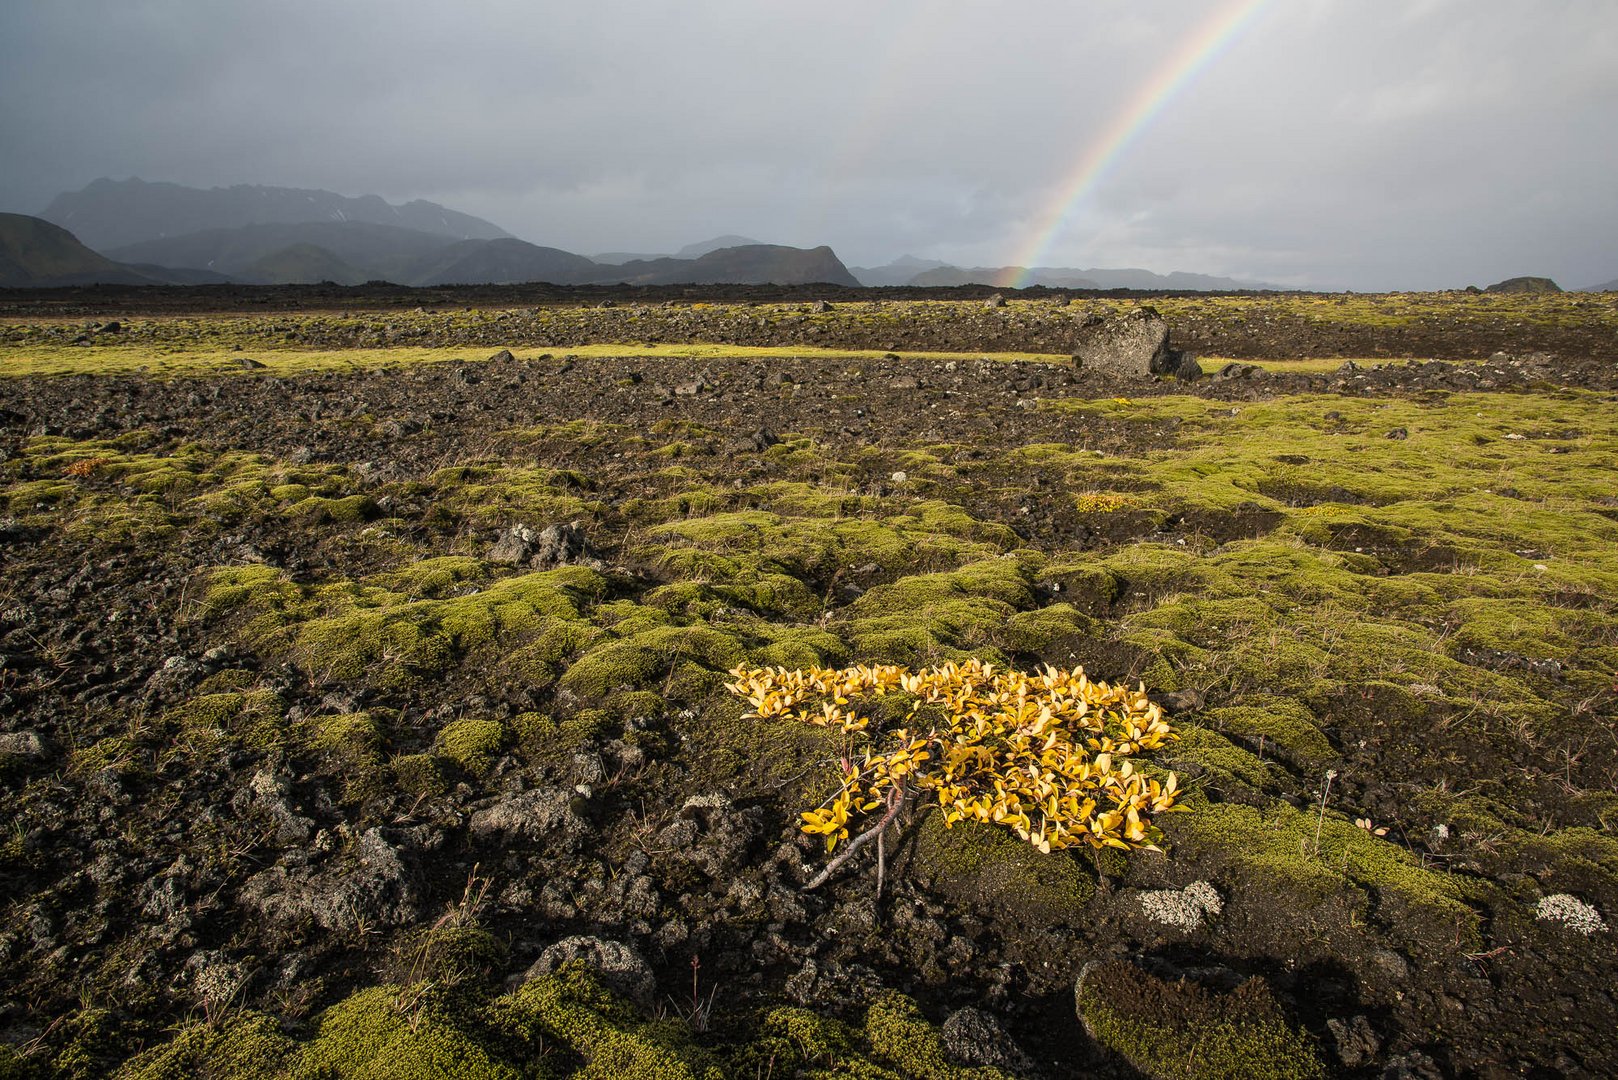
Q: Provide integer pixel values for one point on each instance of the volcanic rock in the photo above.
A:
(619, 966)
(1135, 345)
(555, 545)
(370, 886)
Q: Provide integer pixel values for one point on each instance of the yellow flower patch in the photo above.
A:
(1045, 754)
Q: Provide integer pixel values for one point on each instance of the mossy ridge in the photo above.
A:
(1284, 725)
(127, 490)
(810, 535)
(1278, 844)
(366, 340)
(1000, 876)
(561, 1025)
(1181, 1030)
(247, 1046)
(365, 631)
(484, 494)
(952, 615)
(1494, 838)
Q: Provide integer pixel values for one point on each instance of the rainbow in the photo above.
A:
(1193, 56)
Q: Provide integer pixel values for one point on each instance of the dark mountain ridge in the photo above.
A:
(377, 251)
(746, 265)
(115, 213)
(36, 254)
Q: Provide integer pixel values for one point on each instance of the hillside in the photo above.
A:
(501, 262)
(37, 254)
(704, 247)
(372, 251)
(302, 263)
(114, 213)
(749, 264)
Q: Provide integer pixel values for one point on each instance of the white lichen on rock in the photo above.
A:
(1184, 909)
(1571, 912)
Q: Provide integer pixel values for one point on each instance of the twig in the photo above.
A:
(1331, 774)
(873, 833)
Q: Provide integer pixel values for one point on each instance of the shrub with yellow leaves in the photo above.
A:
(1045, 754)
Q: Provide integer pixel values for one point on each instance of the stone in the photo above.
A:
(1180, 701)
(514, 546)
(974, 1037)
(755, 442)
(1135, 345)
(1356, 1043)
(528, 815)
(502, 357)
(618, 965)
(552, 546)
(248, 363)
(995, 301)
(28, 745)
(1183, 366)
(370, 886)
(1524, 285)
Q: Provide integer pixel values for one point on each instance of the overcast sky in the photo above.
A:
(1371, 144)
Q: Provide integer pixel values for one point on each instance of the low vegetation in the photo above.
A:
(280, 686)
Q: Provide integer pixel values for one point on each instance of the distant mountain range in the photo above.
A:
(922, 273)
(166, 233)
(134, 232)
(116, 213)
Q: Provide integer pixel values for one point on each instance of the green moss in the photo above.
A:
(1203, 751)
(87, 1043)
(1182, 1030)
(421, 774)
(990, 869)
(686, 661)
(930, 617)
(368, 632)
(1045, 629)
(472, 743)
(13, 1066)
(225, 681)
(899, 1034)
(357, 737)
(1284, 727)
(339, 511)
(447, 956)
(290, 493)
(571, 1008)
(1278, 844)
(371, 1036)
(254, 717)
(249, 1046)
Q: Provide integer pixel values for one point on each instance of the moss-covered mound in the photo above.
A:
(1181, 1031)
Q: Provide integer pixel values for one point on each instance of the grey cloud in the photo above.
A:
(1335, 142)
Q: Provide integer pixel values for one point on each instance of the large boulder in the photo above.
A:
(1133, 345)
